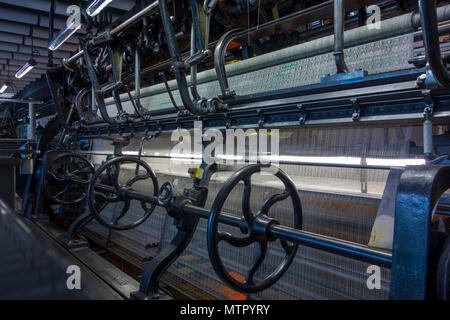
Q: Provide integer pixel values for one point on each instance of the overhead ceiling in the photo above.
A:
(22, 20)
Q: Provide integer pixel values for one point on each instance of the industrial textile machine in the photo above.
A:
(247, 149)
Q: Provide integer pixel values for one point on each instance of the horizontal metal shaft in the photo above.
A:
(21, 151)
(132, 20)
(328, 244)
(332, 245)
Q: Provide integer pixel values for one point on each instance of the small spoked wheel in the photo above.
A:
(111, 183)
(66, 178)
(165, 194)
(258, 226)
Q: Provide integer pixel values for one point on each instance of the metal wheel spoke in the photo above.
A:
(258, 262)
(114, 176)
(274, 199)
(85, 182)
(123, 212)
(234, 241)
(82, 170)
(134, 179)
(66, 166)
(246, 209)
(66, 188)
(53, 175)
(288, 247)
(105, 198)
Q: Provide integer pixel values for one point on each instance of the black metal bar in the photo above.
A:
(328, 244)
(332, 245)
(428, 19)
(339, 18)
(178, 65)
(50, 31)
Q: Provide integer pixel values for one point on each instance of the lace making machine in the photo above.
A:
(355, 118)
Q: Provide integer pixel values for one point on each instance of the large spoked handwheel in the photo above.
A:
(109, 175)
(66, 178)
(257, 230)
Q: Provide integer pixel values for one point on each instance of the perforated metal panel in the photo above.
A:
(390, 54)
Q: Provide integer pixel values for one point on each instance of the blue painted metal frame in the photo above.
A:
(287, 108)
(413, 258)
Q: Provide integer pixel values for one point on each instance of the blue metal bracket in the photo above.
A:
(416, 251)
(303, 114)
(356, 109)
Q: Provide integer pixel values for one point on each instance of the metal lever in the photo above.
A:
(97, 90)
(428, 20)
(339, 19)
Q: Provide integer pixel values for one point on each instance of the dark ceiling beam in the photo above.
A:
(15, 63)
(19, 16)
(15, 28)
(66, 47)
(20, 57)
(25, 79)
(32, 18)
(42, 33)
(15, 83)
(26, 50)
(43, 6)
(32, 73)
(43, 52)
(39, 43)
(30, 76)
(13, 69)
(5, 55)
(18, 81)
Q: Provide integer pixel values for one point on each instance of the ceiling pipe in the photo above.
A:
(50, 31)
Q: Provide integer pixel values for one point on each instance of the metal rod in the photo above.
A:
(20, 101)
(22, 151)
(68, 120)
(51, 19)
(428, 19)
(332, 245)
(339, 19)
(328, 244)
(32, 125)
(177, 62)
(138, 16)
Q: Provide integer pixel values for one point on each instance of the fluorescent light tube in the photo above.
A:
(63, 35)
(3, 88)
(97, 6)
(26, 68)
